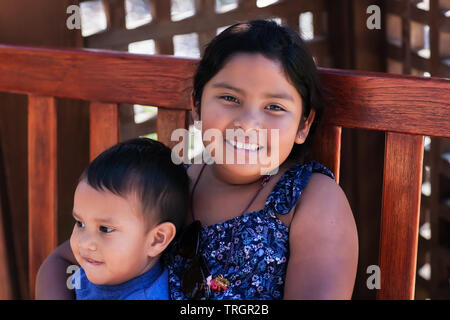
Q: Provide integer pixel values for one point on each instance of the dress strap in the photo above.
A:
(288, 189)
(265, 179)
(193, 189)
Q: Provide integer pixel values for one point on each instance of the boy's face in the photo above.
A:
(110, 237)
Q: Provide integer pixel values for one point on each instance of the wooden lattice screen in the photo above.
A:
(418, 36)
(206, 17)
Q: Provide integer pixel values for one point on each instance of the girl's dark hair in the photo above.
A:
(144, 167)
(275, 42)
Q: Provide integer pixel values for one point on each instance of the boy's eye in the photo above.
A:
(274, 107)
(106, 229)
(79, 224)
(229, 99)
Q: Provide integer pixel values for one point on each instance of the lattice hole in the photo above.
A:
(137, 13)
(93, 17)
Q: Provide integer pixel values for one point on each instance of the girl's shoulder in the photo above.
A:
(322, 235)
(292, 183)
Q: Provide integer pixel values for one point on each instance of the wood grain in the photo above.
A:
(7, 285)
(168, 121)
(103, 127)
(327, 150)
(386, 102)
(42, 182)
(373, 101)
(400, 215)
(94, 75)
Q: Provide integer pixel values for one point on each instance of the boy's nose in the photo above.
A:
(88, 243)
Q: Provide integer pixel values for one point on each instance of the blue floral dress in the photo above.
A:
(254, 247)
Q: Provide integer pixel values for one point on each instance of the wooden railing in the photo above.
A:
(406, 107)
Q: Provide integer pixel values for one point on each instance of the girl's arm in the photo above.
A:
(323, 244)
(51, 280)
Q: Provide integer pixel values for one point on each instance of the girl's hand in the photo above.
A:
(323, 244)
(51, 280)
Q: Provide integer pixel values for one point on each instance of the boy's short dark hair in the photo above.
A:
(143, 167)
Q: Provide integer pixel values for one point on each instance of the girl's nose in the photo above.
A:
(247, 120)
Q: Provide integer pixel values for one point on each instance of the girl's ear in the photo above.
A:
(159, 237)
(195, 111)
(303, 130)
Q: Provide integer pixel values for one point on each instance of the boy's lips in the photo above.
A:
(92, 261)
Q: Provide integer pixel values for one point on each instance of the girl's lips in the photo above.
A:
(243, 146)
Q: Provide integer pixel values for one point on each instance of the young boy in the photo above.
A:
(128, 205)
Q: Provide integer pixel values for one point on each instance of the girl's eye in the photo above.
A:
(79, 224)
(106, 229)
(274, 107)
(229, 99)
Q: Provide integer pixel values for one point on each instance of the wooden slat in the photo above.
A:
(6, 288)
(387, 102)
(115, 19)
(406, 41)
(7, 285)
(400, 215)
(42, 182)
(161, 12)
(103, 127)
(327, 150)
(107, 76)
(373, 101)
(434, 35)
(205, 8)
(167, 121)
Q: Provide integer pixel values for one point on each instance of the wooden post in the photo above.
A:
(42, 182)
(400, 215)
(104, 127)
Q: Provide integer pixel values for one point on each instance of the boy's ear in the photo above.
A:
(304, 127)
(159, 238)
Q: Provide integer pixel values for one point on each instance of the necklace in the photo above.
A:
(220, 283)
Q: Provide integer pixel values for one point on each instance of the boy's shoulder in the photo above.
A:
(157, 290)
(153, 285)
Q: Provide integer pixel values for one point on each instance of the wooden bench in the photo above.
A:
(406, 108)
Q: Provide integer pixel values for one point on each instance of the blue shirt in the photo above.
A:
(152, 285)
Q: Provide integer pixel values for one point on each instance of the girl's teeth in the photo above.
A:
(246, 146)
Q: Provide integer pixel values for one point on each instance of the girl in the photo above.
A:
(288, 235)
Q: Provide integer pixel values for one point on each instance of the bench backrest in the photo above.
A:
(406, 108)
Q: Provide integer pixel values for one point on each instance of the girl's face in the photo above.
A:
(109, 239)
(252, 93)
